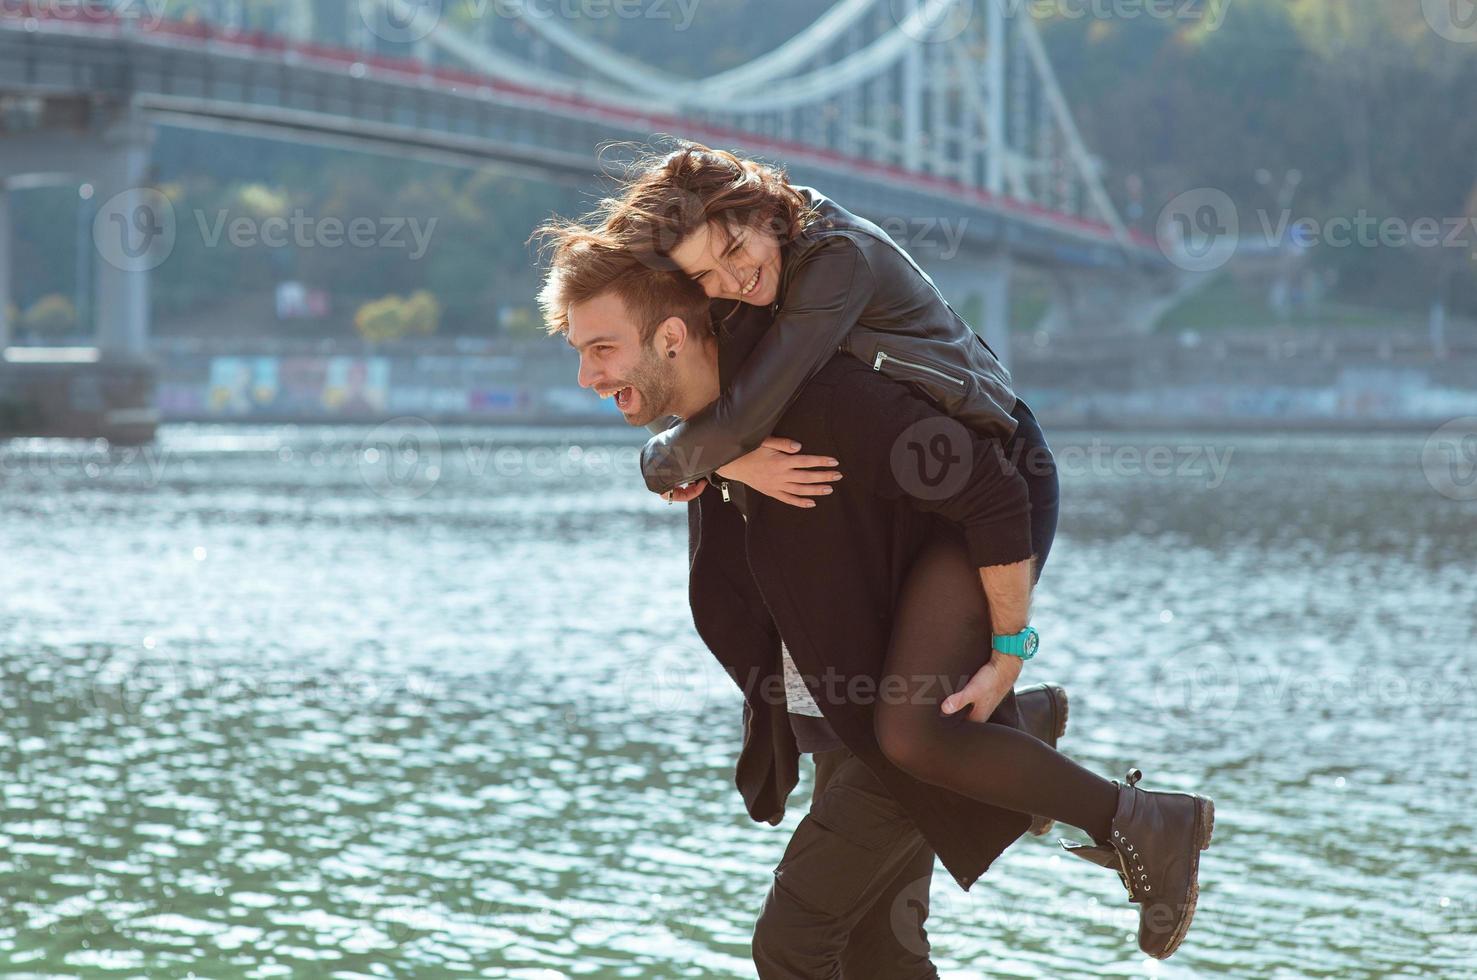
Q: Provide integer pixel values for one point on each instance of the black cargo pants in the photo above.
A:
(850, 895)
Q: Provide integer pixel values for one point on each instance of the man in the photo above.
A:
(852, 888)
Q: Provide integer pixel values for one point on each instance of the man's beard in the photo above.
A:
(655, 382)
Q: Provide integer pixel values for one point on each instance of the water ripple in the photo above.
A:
(269, 708)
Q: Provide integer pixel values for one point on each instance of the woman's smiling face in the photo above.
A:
(742, 265)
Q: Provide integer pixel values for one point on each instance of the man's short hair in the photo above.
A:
(584, 264)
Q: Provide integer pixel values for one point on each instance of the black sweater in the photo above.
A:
(828, 579)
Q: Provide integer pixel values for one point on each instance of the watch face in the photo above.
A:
(1032, 641)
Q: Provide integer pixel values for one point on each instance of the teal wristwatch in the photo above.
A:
(1023, 644)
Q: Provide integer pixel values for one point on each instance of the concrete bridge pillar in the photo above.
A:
(127, 237)
(6, 327)
(1070, 309)
(995, 303)
(298, 20)
(978, 287)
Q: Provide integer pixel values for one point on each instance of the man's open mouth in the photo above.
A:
(624, 397)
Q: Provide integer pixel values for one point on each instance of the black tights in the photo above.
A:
(941, 636)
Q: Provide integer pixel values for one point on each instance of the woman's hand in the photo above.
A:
(987, 688)
(776, 470)
(685, 492)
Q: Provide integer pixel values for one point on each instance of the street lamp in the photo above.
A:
(81, 287)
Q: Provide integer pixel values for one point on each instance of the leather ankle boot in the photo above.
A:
(1155, 847)
(1043, 710)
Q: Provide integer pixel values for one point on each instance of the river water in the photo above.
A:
(428, 702)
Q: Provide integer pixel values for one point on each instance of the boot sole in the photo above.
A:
(1059, 699)
(1204, 828)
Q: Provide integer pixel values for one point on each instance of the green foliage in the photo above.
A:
(1360, 97)
(395, 317)
(422, 313)
(522, 321)
(51, 314)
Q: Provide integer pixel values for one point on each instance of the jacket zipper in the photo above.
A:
(882, 356)
(723, 489)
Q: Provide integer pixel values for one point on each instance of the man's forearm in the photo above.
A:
(1008, 589)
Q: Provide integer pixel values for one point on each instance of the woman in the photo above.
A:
(830, 281)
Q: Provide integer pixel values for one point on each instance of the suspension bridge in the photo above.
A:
(942, 120)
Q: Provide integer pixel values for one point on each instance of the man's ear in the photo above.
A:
(674, 333)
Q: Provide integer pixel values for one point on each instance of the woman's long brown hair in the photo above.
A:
(673, 195)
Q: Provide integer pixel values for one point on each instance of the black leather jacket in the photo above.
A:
(844, 285)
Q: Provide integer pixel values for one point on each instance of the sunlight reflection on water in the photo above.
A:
(274, 704)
